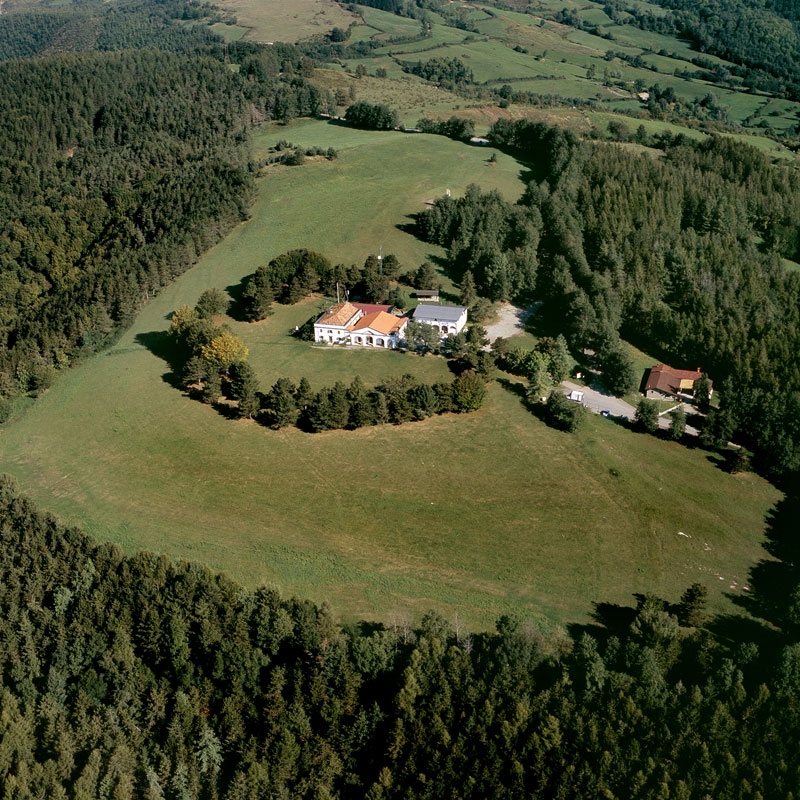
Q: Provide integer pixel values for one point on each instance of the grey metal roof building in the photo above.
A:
(437, 313)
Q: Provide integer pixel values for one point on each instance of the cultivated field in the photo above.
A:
(480, 515)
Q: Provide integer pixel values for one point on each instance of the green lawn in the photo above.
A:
(481, 514)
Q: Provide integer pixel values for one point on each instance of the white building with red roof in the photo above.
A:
(360, 324)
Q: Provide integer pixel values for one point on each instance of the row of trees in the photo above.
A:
(455, 127)
(212, 362)
(397, 400)
(136, 676)
(296, 274)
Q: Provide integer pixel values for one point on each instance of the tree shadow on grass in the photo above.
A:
(162, 345)
(515, 387)
(236, 293)
(773, 582)
(609, 619)
(732, 629)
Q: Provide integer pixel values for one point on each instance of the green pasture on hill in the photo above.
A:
(481, 515)
(277, 21)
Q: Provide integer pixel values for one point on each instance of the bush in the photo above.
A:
(372, 117)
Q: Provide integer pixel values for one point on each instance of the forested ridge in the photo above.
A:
(682, 255)
(137, 676)
(100, 26)
(117, 171)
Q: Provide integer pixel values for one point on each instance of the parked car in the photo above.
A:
(606, 412)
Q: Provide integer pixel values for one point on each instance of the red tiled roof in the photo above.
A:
(372, 308)
(340, 314)
(664, 378)
(380, 321)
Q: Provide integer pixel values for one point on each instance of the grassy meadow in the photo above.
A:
(478, 515)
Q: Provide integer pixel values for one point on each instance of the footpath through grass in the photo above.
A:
(482, 514)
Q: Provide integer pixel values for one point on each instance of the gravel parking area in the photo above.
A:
(510, 321)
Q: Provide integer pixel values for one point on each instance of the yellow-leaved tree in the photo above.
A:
(182, 317)
(224, 349)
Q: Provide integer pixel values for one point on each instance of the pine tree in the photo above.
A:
(258, 295)
(468, 294)
(646, 417)
(281, 404)
(211, 302)
(339, 415)
(361, 409)
(677, 427)
(469, 391)
(702, 394)
(244, 388)
(425, 401)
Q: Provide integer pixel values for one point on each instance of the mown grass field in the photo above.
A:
(481, 515)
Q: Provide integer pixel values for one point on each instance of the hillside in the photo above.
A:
(506, 598)
(544, 532)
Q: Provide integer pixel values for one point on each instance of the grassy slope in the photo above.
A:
(277, 21)
(481, 514)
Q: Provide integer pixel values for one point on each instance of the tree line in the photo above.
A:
(139, 676)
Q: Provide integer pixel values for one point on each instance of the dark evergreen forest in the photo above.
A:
(125, 677)
(117, 171)
(680, 254)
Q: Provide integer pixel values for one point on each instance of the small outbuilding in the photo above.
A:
(427, 295)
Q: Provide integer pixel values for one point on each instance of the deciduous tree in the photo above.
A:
(646, 416)
(223, 350)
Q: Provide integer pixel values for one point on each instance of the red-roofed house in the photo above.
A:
(371, 308)
(378, 330)
(361, 324)
(334, 325)
(664, 381)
